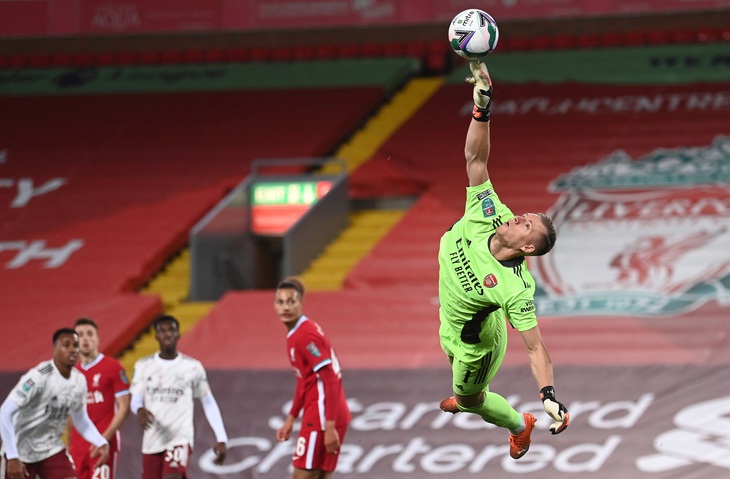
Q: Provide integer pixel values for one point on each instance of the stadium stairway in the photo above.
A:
(172, 285)
(367, 227)
(327, 272)
(366, 141)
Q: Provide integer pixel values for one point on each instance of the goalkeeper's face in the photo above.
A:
(523, 232)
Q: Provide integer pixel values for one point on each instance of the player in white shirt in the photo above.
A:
(34, 416)
(163, 387)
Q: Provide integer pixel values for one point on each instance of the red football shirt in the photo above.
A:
(309, 351)
(105, 379)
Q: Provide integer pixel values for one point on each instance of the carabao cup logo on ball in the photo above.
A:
(473, 34)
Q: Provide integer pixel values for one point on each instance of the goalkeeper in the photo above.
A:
(484, 282)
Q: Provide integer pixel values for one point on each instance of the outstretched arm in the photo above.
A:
(476, 152)
(542, 371)
(540, 363)
(477, 147)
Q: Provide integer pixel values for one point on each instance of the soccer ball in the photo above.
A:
(473, 34)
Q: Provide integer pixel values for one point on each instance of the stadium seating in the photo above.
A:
(140, 168)
(396, 283)
(137, 171)
(434, 54)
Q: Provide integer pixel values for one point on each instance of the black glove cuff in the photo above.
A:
(480, 114)
(548, 392)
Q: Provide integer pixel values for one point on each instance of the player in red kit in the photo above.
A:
(107, 403)
(318, 392)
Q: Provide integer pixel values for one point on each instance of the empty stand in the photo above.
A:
(435, 55)
(134, 172)
(390, 294)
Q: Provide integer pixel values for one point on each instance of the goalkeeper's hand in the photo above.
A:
(555, 410)
(482, 84)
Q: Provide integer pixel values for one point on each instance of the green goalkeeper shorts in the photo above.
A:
(472, 373)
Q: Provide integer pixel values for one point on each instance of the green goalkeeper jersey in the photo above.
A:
(477, 291)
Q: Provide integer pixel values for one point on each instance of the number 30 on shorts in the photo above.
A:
(178, 454)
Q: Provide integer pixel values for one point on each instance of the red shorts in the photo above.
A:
(85, 463)
(309, 451)
(58, 466)
(171, 461)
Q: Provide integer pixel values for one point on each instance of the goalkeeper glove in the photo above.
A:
(482, 90)
(555, 410)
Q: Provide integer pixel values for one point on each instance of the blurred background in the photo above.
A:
(182, 157)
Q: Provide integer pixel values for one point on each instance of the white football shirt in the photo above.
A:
(46, 400)
(168, 387)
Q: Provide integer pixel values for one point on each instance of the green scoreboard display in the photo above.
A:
(277, 205)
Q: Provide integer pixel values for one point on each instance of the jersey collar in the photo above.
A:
(177, 358)
(93, 363)
(510, 263)
(301, 319)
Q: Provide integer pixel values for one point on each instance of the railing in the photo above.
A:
(435, 55)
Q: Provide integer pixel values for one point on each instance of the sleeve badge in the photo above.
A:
(314, 350)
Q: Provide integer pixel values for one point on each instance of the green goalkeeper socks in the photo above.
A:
(496, 410)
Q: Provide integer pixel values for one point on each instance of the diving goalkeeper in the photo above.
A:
(484, 282)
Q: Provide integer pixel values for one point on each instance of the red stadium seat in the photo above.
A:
(708, 35)
(657, 37)
(260, 54)
(214, 55)
(438, 46)
(127, 58)
(348, 50)
(611, 39)
(83, 60)
(587, 40)
(18, 61)
(370, 50)
(436, 62)
(149, 58)
(416, 49)
(437, 55)
(516, 43)
(39, 61)
(326, 51)
(305, 52)
(564, 41)
(394, 49)
(244, 55)
(634, 39)
(61, 59)
(192, 55)
(282, 54)
(683, 36)
(171, 57)
(106, 59)
(541, 43)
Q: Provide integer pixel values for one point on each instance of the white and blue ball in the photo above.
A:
(473, 34)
